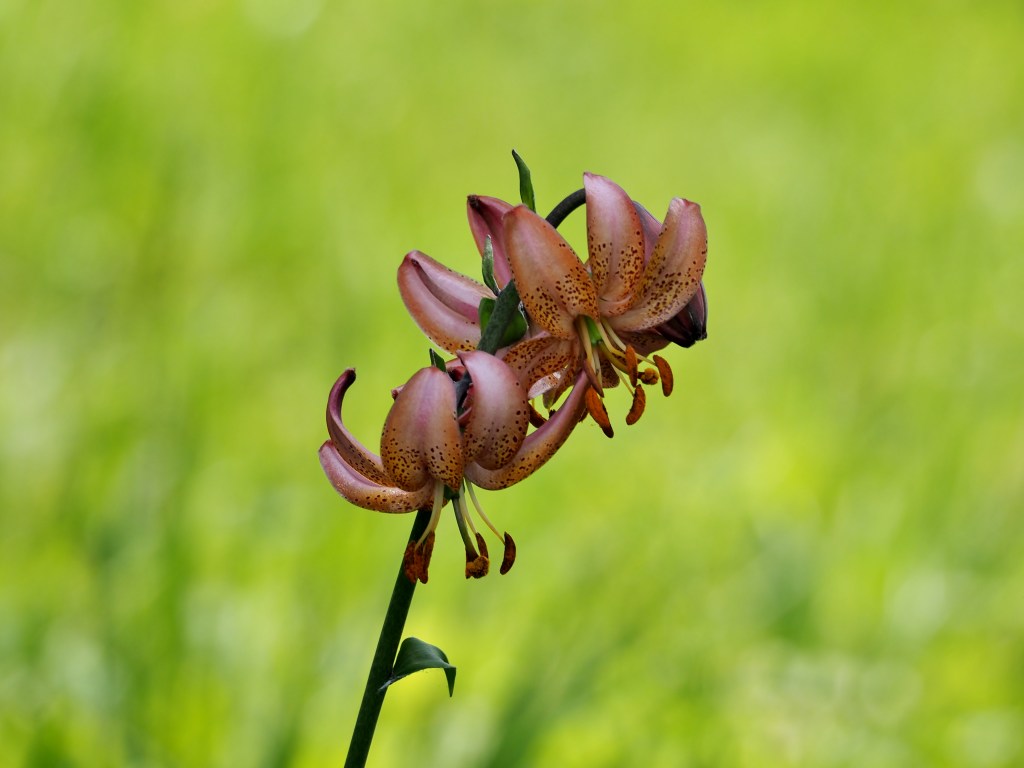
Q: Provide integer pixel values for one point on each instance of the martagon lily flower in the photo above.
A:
(639, 290)
(435, 449)
(603, 317)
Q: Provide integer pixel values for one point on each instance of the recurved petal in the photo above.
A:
(552, 281)
(644, 342)
(485, 215)
(354, 453)
(691, 324)
(364, 492)
(674, 270)
(615, 240)
(539, 446)
(651, 227)
(443, 303)
(421, 439)
(499, 412)
(534, 359)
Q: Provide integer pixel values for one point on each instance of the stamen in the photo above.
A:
(615, 349)
(417, 559)
(425, 552)
(648, 376)
(591, 363)
(595, 406)
(482, 546)
(592, 367)
(480, 510)
(535, 417)
(409, 567)
(477, 565)
(477, 568)
(510, 555)
(615, 338)
(666, 375)
(637, 409)
(624, 379)
(631, 365)
(435, 513)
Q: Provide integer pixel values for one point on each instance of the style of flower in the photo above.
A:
(435, 449)
(603, 317)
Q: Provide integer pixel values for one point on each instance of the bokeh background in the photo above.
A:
(812, 554)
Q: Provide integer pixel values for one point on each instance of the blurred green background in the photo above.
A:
(812, 554)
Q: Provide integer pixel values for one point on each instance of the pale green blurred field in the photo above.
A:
(811, 555)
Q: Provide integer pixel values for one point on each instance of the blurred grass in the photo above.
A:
(811, 555)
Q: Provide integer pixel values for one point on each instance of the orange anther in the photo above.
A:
(417, 559)
(476, 568)
(666, 375)
(510, 555)
(595, 406)
(637, 409)
(409, 563)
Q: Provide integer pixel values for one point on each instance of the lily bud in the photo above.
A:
(485, 215)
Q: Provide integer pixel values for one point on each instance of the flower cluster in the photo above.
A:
(583, 328)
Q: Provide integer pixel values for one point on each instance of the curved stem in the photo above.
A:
(567, 206)
(384, 657)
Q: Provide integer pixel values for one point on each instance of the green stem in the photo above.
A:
(384, 657)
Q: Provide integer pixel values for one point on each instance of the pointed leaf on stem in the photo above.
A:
(525, 182)
(415, 655)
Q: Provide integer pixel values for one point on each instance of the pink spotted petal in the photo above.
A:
(552, 281)
(421, 440)
(499, 415)
(673, 274)
(651, 227)
(539, 446)
(615, 240)
(485, 215)
(351, 450)
(365, 493)
(443, 303)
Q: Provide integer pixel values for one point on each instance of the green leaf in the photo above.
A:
(437, 361)
(488, 266)
(525, 182)
(515, 330)
(416, 655)
(485, 310)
